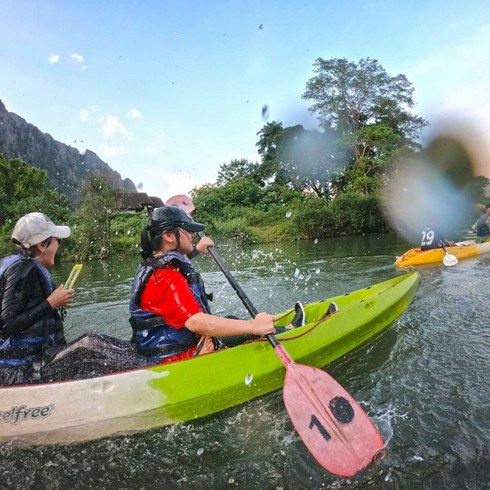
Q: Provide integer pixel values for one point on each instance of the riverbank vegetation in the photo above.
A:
(309, 183)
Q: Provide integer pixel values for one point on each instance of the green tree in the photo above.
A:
(303, 159)
(348, 96)
(371, 113)
(216, 202)
(18, 181)
(94, 219)
(23, 189)
(270, 139)
(375, 148)
(238, 169)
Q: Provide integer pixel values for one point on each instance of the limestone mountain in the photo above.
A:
(65, 166)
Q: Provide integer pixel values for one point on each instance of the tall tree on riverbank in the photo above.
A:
(370, 111)
(23, 189)
(95, 215)
(302, 159)
(239, 169)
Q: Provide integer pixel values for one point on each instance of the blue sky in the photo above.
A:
(166, 91)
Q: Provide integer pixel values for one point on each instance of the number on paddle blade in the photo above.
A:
(333, 426)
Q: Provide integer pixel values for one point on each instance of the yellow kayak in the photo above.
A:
(465, 250)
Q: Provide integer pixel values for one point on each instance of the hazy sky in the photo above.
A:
(166, 91)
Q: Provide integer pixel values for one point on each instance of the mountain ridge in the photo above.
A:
(65, 166)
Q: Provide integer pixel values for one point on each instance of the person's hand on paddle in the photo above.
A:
(263, 324)
(204, 243)
(61, 297)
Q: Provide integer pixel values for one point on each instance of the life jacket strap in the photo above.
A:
(20, 353)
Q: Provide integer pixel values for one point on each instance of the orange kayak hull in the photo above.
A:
(415, 256)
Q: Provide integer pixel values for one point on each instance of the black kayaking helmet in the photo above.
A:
(171, 217)
(166, 218)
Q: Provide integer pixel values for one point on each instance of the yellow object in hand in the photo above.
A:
(70, 282)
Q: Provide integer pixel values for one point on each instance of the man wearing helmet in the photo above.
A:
(170, 314)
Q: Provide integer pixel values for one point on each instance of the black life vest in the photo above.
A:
(19, 349)
(431, 238)
(482, 228)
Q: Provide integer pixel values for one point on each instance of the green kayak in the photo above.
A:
(139, 399)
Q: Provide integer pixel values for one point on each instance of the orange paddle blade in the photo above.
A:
(333, 426)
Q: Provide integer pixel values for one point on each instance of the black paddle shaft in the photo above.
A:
(234, 284)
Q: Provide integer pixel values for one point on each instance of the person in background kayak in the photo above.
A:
(482, 225)
(433, 238)
(169, 311)
(30, 317)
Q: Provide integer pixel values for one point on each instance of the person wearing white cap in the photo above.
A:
(31, 307)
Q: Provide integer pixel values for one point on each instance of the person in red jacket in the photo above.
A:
(170, 314)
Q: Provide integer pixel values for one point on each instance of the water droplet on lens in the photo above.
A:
(265, 112)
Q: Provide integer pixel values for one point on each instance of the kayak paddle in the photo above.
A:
(333, 426)
(448, 260)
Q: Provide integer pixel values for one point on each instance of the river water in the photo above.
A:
(425, 381)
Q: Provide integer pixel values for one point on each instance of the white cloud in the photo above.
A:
(84, 115)
(151, 149)
(54, 58)
(78, 58)
(111, 151)
(135, 114)
(87, 112)
(111, 126)
(164, 184)
(154, 146)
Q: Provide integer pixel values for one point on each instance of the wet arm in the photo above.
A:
(217, 326)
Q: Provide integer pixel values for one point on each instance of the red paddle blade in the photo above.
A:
(182, 201)
(333, 426)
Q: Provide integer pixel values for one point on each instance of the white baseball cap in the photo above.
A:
(34, 228)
